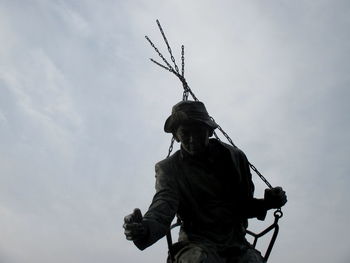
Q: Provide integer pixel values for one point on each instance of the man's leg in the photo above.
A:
(250, 255)
(194, 253)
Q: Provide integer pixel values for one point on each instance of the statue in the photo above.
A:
(208, 185)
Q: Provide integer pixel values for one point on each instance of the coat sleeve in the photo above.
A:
(162, 209)
(252, 207)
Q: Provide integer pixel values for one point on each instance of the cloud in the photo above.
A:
(82, 112)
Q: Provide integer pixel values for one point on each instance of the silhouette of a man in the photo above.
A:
(208, 184)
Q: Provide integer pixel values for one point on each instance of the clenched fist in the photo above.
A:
(275, 197)
(133, 227)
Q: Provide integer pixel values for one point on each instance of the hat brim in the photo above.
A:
(173, 121)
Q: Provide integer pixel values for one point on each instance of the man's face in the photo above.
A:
(194, 137)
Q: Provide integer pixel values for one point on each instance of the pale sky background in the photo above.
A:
(82, 112)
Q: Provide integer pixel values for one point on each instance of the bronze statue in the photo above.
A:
(208, 185)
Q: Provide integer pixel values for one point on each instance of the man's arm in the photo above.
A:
(161, 212)
(254, 207)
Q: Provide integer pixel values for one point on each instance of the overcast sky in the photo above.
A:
(82, 111)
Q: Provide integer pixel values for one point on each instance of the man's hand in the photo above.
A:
(133, 227)
(275, 197)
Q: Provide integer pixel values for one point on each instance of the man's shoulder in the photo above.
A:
(235, 151)
(169, 162)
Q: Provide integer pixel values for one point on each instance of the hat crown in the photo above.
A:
(190, 106)
(185, 111)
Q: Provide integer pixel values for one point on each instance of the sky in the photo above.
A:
(82, 111)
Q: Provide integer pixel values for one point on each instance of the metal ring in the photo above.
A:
(278, 213)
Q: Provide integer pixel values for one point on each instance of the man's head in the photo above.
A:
(191, 125)
(194, 137)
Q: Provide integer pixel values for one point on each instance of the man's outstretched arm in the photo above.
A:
(145, 231)
(253, 207)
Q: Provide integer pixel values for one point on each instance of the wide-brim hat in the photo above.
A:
(188, 111)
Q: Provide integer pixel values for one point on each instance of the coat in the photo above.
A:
(212, 195)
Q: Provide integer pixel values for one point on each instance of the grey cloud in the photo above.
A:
(82, 112)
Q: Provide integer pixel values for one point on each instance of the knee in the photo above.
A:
(251, 256)
(191, 254)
